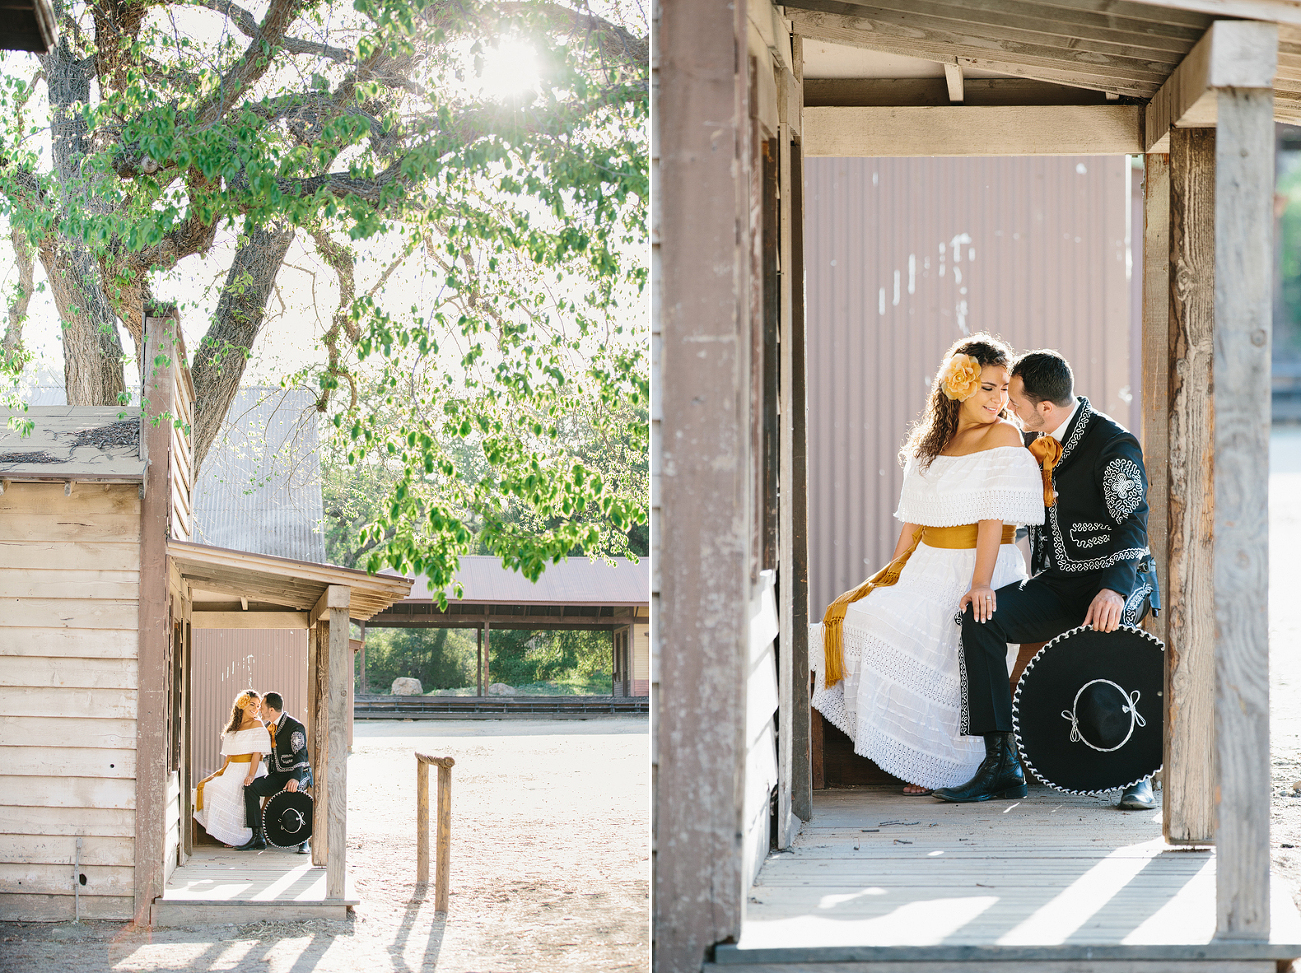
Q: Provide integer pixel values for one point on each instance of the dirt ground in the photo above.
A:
(550, 866)
(1285, 654)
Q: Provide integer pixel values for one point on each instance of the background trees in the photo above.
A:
(480, 251)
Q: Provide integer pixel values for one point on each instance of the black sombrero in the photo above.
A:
(287, 819)
(1087, 711)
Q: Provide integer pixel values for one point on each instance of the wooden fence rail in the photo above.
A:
(443, 874)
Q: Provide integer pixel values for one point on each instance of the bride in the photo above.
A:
(219, 797)
(889, 675)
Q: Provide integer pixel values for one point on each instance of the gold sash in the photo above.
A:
(962, 537)
(239, 758)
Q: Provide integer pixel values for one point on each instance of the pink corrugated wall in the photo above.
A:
(1042, 259)
(226, 662)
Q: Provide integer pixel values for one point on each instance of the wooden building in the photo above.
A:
(743, 95)
(578, 594)
(100, 592)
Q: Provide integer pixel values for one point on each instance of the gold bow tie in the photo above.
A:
(1047, 451)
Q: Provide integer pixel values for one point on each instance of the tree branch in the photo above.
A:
(255, 61)
(247, 25)
(25, 257)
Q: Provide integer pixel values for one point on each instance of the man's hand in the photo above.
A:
(1106, 611)
(291, 785)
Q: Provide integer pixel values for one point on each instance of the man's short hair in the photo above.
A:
(275, 702)
(1046, 377)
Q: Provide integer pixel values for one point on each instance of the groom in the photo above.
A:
(1090, 560)
(288, 765)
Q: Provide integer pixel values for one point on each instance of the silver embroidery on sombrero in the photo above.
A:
(1131, 707)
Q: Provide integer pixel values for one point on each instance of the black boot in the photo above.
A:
(999, 774)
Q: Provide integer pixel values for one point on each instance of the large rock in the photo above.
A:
(406, 686)
(501, 689)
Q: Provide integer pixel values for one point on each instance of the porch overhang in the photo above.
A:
(278, 585)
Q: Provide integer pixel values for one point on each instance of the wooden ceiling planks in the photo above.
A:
(1124, 49)
(281, 581)
(1067, 45)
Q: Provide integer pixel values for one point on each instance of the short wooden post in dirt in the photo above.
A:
(443, 875)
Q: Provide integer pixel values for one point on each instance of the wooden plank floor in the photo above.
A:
(877, 869)
(221, 884)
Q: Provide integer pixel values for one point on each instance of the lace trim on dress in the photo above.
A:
(1011, 506)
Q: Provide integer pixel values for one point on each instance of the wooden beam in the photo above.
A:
(1122, 76)
(1156, 370)
(919, 92)
(968, 130)
(154, 632)
(953, 79)
(340, 676)
(1188, 810)
(703, 462)
(1244, 199)
(251, 620)
(1279, 11)
(1232, 54)
(334, 596)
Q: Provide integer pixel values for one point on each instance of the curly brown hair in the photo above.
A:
(932, 432)
(237, 710)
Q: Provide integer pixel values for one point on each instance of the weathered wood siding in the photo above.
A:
(69, 580)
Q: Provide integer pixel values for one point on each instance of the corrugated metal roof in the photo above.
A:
(259, 489)
(903, 257)
(576, 581)
(72, 443)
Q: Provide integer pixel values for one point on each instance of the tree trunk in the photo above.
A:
(92, 351)
(218, 363)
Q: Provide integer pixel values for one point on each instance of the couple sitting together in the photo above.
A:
(915, 661)
(228, 803)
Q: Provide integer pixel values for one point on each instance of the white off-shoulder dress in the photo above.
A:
(223, 796)
(901, 698)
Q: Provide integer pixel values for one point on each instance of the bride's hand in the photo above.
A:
(982, 600)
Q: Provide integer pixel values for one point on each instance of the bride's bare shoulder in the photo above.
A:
(1002, 433)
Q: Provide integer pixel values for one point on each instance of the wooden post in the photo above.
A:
(702, 455)
(1244, 196)
(365, 687)
(1188, 811)
(340, 677)
(1156, 369)
(478, 668)
(796, 580)
(187, 743)
(443, 876)
(320, 756)
(422, 821)
(487, 673)
(443, 872)
(153, 629)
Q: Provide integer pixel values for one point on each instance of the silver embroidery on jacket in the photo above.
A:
(1122, 488)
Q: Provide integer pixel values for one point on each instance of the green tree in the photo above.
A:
(155, 130)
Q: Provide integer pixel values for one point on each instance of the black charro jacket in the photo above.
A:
(1098, 526)
(289, 750)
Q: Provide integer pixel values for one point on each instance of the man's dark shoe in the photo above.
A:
(304, 849)
(1139, 797)
(253, 844)
(999, 774)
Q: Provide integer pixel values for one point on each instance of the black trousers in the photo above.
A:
(260, 788)
(1035, 610)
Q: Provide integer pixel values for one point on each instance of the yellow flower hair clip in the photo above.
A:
(960, 377)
